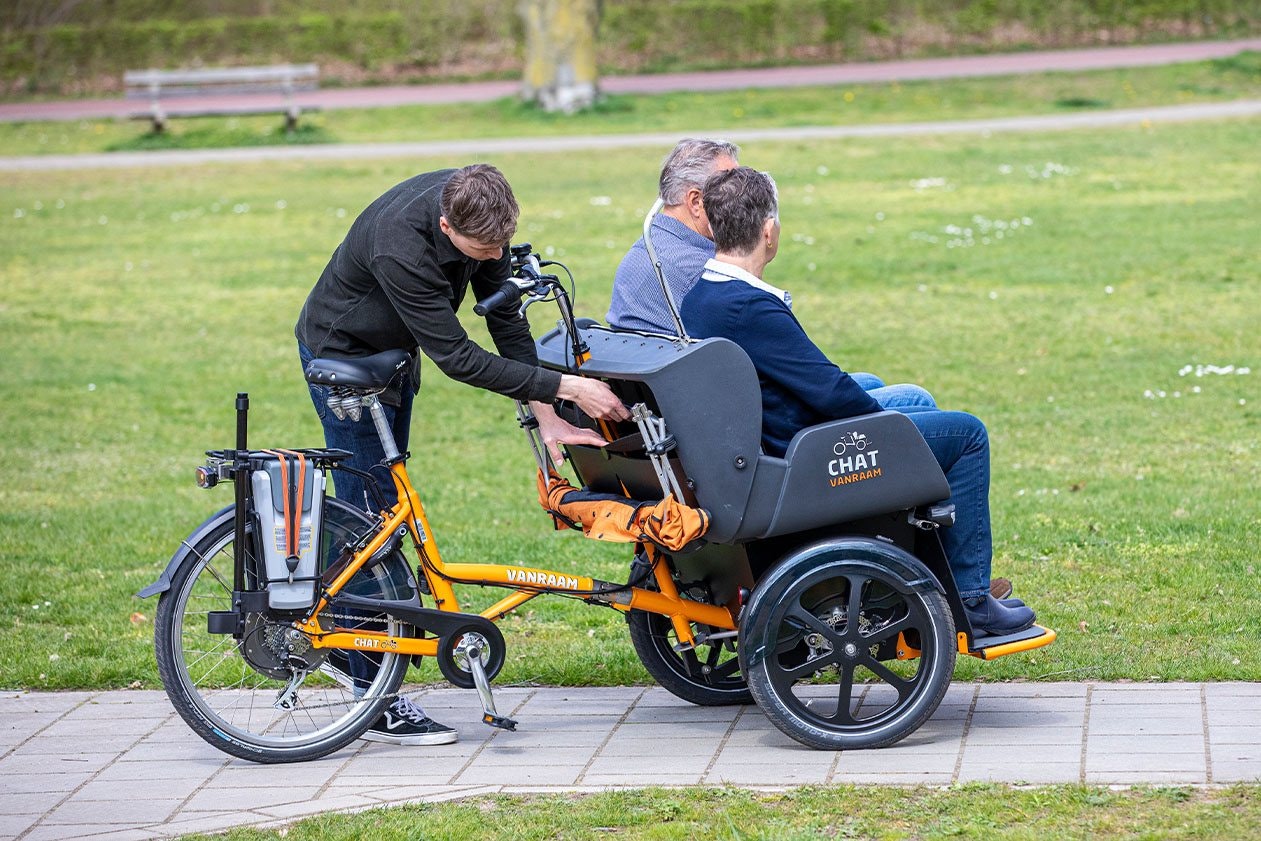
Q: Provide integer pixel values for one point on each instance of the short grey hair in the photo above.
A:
(690, 165)
(738, 202)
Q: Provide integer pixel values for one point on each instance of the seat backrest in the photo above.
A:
(709, 396)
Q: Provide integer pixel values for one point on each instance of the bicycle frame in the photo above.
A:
(527, 583)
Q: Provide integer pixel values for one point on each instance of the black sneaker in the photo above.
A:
(404, 723)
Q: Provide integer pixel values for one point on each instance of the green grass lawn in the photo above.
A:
(982, 812)
(137, 303)
(1211, 81)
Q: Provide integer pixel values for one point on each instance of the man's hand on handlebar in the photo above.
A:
(556, 431)
(593, 397)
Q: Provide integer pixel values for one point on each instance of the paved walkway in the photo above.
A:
(832, 74)
(476, 147)
(121, 765)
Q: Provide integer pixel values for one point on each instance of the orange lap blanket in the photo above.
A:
(669, 523)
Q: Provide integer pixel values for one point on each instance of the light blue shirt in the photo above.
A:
(638, 303)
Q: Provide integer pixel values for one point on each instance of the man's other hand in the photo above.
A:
(593, 397)
(556, 431)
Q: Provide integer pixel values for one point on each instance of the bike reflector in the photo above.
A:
(289, 501)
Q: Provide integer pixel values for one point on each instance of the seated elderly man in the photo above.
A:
(801, 387)
(683, 241)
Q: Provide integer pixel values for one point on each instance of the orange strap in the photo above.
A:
(293, 496)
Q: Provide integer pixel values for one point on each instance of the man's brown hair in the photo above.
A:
(477, 202)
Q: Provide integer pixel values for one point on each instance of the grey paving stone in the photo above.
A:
(1017, 689)
(1032, 736)
(1232, 690)
(1147, 696)
(666, 732)
(527, 738)
(1004, 755)
(31, 802)
(679, 715)
(121, 814)
(208, 824)
(555, 724)
(73, 764)
(13, 824)
(561, 775)
(1030, 705)
(1234, 734)
(891, 778)
(509, 757)
(775, 773)
(1121, 726)
(1236, 753)
(1229, 771)
(88, 725)
(297, 773)
(1140, 763)
(656, 747)
(150, 750)
(47, 745)
(1145, 777)
(24, 782)
(620, 780)
(113, 790)
(744, 739)
(1027, 719)
(639, 766)
(551, 706)
(87, 831)
(175, 769)
(1035, 771)
(338, 803)
(214, 798)
(1154, 743)
(42, 702)
(901, 762)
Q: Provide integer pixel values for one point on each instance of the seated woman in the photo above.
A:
(801, 387)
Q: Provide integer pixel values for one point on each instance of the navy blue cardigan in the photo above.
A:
(800, 386)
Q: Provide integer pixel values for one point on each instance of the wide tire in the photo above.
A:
(227, 690)
(849, 644)
(708, 676)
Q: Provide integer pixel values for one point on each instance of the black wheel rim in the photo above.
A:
(842, 675)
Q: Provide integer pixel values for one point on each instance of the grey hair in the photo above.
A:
(738, 202)
(690, 165)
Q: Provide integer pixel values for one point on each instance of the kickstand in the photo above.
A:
(489, 715)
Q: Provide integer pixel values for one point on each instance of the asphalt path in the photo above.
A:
(1001, 64)
(476, 147)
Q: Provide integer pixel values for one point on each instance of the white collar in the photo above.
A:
(719, 272)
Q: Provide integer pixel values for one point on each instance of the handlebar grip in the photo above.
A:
(508, 292)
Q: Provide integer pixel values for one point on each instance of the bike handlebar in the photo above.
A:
(508, 292)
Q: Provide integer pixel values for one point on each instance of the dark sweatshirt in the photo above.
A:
(396, 282)
(800, 386)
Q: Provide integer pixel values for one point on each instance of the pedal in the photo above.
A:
(993, 647)
(490, 715)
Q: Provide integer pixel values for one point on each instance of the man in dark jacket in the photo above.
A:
(396, 282)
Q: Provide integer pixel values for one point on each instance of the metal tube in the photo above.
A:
(656, 266)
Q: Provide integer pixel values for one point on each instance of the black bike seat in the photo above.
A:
(368, 372)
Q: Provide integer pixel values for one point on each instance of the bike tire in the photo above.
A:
(818, 677)
(230, 702)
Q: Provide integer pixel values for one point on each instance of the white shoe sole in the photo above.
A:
(445, 738)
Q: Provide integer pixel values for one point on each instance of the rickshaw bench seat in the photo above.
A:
(708, 393)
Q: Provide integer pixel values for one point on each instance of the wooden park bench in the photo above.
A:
(282, 79)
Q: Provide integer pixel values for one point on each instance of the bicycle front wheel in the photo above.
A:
(246, 696)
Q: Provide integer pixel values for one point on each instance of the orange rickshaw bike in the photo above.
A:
(288, 619)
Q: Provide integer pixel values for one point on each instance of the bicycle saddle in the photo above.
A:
(367, 372)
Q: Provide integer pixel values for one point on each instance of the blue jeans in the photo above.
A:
(961, 446)
(360, 437)
(898, 396)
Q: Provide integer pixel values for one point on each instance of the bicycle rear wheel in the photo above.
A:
(245, 696)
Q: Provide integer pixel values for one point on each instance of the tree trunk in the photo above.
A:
(560, 67)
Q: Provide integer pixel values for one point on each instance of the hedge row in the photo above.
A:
(416, 39)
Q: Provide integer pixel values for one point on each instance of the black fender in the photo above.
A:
(333, 507)
(866, 552)
(163, 582)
